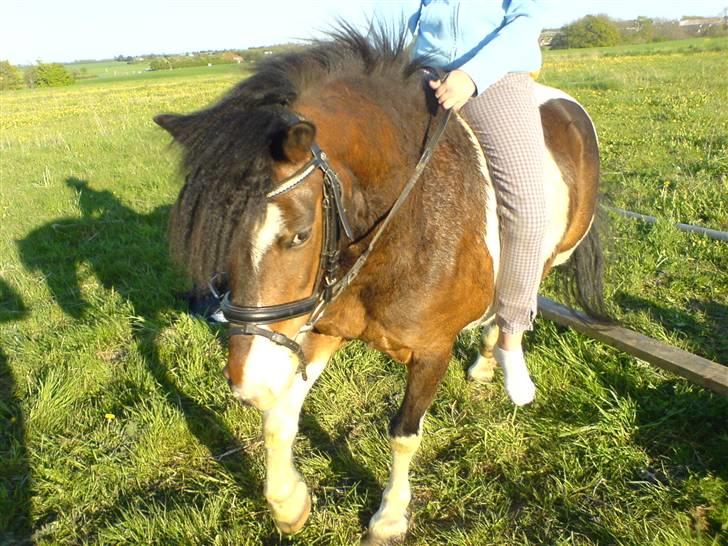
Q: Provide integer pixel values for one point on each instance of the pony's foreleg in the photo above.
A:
(483, 369)
(405, 435)
(285, 490)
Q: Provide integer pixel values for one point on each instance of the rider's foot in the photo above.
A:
(519, 386)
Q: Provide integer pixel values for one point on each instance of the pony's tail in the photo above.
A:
(582, 275)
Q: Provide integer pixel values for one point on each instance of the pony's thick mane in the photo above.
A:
(226, 147)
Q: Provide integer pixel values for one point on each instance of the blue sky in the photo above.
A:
(65, 30)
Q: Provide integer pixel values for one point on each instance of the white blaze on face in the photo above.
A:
(269, 368)
(266, 234)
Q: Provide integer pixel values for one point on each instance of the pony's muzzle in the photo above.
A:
(259, 371)
(261, 400)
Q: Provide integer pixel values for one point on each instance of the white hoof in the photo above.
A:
(482, 370)
(384, 530)
(291, 514)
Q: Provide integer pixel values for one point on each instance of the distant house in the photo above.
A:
(698, 25)
(631, 26)
(547, 36)
(232, 57)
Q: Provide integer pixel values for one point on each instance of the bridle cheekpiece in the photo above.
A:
(246, 320)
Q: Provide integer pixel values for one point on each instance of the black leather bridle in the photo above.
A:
(246, 320)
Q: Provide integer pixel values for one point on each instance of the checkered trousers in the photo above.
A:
(506, 121)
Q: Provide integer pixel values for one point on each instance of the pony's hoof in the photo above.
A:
(482, 370)
(371, 540)
(291, 528)
(385, 531)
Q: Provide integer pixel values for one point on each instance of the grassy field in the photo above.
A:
(107, 70)
(116, 425)
(115, 72)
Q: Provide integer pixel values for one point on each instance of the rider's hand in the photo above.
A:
(455, 91)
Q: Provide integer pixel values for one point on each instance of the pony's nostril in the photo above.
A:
(226, 375)
(229, 382)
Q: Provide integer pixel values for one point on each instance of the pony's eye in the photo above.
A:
(301, 237)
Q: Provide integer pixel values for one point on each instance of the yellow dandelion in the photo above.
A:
(110, 417)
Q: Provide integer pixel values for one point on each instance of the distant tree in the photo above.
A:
(10, 77)
(186, 61)
(31, 76)
(253, 55)
(589, 31)
(645, 32)
(48, 75)
(160, 63)
(82, 74)
(716, 30)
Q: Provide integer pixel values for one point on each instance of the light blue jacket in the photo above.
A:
(485, 38)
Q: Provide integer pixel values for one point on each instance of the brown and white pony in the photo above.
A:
(433, 271)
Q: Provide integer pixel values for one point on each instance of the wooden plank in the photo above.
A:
(697, 369)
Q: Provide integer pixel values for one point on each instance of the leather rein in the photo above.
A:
(328, 286)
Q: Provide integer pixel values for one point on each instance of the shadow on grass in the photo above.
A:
(709, 337)
(127, 252)
(15, 490)
(684, 432)
(348, 471)
(124, 249)
(680, 427)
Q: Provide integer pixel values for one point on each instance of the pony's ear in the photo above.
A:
(176, 125)
(297, 141)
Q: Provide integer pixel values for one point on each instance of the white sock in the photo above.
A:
(518, 383)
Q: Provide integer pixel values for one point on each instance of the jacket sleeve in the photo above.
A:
(517, 36)
(414, 20)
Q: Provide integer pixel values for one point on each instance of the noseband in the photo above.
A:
(246, 320)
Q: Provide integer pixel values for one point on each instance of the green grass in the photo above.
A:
(137, 72)
(117, 427)
(681, 47)
(107, 70)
